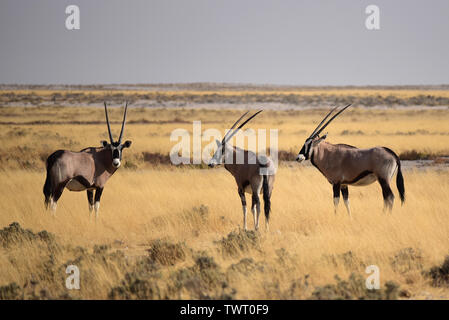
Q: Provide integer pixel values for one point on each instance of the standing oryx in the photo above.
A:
(255, 175)
(88, 169)
(345, 165)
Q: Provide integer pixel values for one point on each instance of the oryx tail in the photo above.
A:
(399, 177)
(49, 187)
(266, 197)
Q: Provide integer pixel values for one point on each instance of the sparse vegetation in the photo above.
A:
(178, 235)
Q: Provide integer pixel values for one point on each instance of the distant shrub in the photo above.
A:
(355, 288)
(135, 287)
(406, 260)
(15, 234)
(166, 253)
(440, 274)
(11, 291)
(239, 241)
(416, 155)
(203, 280)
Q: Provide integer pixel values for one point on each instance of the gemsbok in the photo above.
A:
(345, 165)
(88, 169)
(254, 176)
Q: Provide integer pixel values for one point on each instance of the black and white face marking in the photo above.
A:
(218, 155)
(304, 153)
(116, 150)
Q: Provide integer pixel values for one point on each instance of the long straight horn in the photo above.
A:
(241, 126)
(107, 122)
(233, 126)
(123, 123)
(322, 121)
(333, 117)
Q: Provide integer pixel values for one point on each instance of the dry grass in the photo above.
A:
(167, 232)
(424, 132)
(306, 239)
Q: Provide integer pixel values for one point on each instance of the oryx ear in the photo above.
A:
(317, 141)
(127, 144)
(104, 143)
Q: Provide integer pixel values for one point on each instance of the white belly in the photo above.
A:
(74, 185)
(365, 180)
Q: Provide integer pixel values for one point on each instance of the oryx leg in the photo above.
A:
(387, 194)
(255, 209)
(256, 204)
(345, 194)
(56, 195)
(336, 188)
(90, 199)
(98, 193)
(243, 199)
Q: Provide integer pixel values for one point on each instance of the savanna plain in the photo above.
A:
(175, 232)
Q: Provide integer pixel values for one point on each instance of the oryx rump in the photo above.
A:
(345, 165)
(254, 176)
(88, 169)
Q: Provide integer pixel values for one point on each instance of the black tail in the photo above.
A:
(399, 177)
(48, 188)
(400, 182)
(266, 197)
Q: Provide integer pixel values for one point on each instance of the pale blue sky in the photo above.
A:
(294, 42)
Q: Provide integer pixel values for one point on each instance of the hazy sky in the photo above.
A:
(266, 42)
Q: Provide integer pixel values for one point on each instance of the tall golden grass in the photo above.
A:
(28, 135)
(141, 206)
(198, 208)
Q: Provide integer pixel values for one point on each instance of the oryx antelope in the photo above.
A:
(345, 165)
(88, 169)
(254, 176)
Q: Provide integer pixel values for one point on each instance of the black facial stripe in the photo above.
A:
(115, 154)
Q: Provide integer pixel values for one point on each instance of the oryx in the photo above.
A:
(345, 165)
(88, 169)
(255, 175)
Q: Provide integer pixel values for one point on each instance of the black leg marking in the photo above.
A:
(242, 196)
(345, 192)
(336, 188)
(387, 194)
(243, 199)
(255, 209)
(255, 200)
(90, 197)
(58, 192)
(98, 193)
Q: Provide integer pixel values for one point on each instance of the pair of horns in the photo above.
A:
(231, 133)
(318, 130)
(109, 127)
